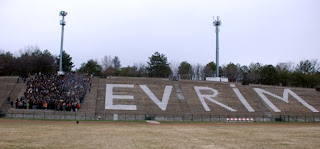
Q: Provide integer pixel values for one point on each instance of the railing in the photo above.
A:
(66, 115)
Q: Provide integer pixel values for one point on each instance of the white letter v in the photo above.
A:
(165, 98)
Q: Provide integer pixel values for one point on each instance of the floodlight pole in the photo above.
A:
(62, 23)
(217, 23)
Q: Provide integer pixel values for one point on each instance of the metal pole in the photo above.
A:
(217, 51)
(62, 23)
(61, 45)
(217, 23)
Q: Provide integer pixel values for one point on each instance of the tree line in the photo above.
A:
(304, 74)
(32, 60)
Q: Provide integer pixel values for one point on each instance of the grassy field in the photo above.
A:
(15, 133)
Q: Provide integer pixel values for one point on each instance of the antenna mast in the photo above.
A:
(217, 23)
(62, 23)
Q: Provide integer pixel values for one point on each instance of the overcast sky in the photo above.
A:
(266, 31)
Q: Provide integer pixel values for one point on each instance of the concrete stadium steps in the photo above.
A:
(100, 100)
(293, 107)
(90, 99)
(17, 92)
(255, 102)
(183, 100)
(225, 96)
(144, 104)
(7, 85)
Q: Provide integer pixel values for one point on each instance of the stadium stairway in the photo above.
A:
(6, 86)
(14, 90)
(100, 99)
(181, 98)
(90, 99)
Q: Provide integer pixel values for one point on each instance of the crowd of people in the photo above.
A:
(54, 92)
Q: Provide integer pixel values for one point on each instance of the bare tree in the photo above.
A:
(197, 71)
(253, 75)
(307, 67)
(174, 65)
(141, 69)
(232, 71)
(106, 62)
(288, 66)
(317, 65)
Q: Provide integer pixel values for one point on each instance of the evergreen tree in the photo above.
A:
(158, 65)
(6, 63)
(232, 72)
(91, 67)
(67, 63)
(209, 69)
(306, 67)
(185, 70)
(268, 75)
(116, 65)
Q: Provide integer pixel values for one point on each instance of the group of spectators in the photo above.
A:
(54, 92)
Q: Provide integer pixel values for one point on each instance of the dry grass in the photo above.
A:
(67, 134)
